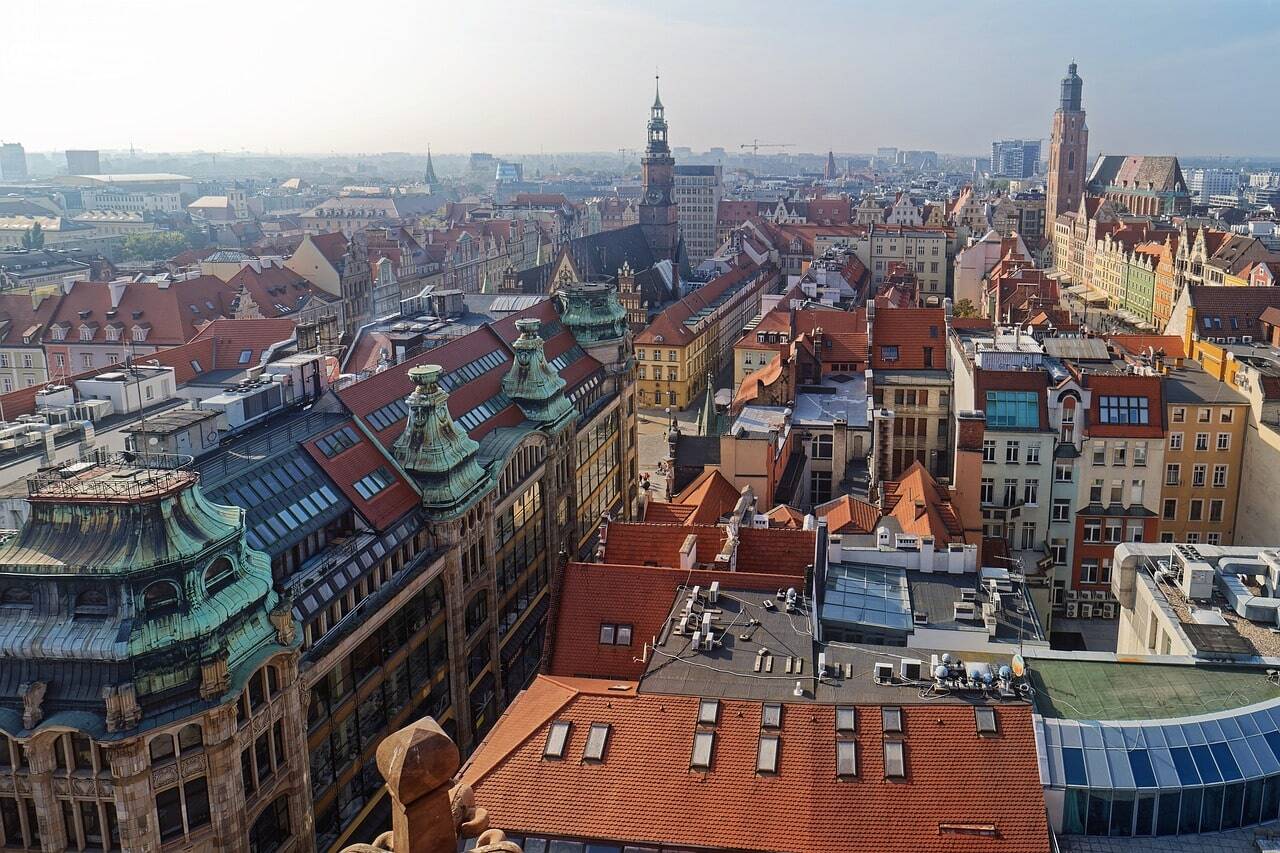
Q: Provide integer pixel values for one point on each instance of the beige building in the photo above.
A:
(697, 193)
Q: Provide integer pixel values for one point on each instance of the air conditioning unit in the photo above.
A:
(883, 673)
(1086, 611)
(1072, 610)
(1072, 595)
(1109, 610)
(910, 669)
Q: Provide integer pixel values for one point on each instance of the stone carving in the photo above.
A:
(282, 618)
(61, 785)
(123, 712)
(32, 693)
(215, 678)
(193, 765)
(165, 774)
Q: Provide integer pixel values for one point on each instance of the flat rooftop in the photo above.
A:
(843, 397)
(1104, 690)
(123, 477)
(1192, 384)
(167, 423)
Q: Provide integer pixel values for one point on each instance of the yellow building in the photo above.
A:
(693, 336)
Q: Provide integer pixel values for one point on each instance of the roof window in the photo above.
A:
(846, 719)
(846, 758)
(985, 719)
(895, 766)
(597, 738)
(557, 738)
(891, 719)
(767, 754)
(708, 711)
(703, 743)
(771, 715)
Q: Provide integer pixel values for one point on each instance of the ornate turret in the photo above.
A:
(438, 452)
(1072, 86)
(591, 311)
(128, 598)
(532, 384)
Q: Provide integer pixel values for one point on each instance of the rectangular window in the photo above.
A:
(1133, 531)
(1010, 492)
(1099, 453)
(1031, 492)
(1224, 441)
(597, 737)
(889, 353)
(1012, 450)
(1119, 453)
(1058, 550)
(1089, 570)
(1203, 416)
(1093, 531)
(1095, 492)
(891, 719)
(1215, 509)
(1062, 472)
(1197, 510)
(894, 761)
(1175, 441)
(1179, 415)
(1219, 476)
(846, 718)
(708, 711)
(1123, 410)
(767, 754)
(1173, 474)
(1061, 509)
(1198, 473)
(1202, 441)
(1213, 537)
(1169, 512)
(987, 492)
(1115, 529)
(557, 737)
(703, 743)
(1013, 409)
(985, 719)
(1033, 453)
(846, 758)
(988, 450)
(1226, 416)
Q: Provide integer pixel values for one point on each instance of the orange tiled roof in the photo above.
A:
(1137, 344)
(785, 516)
(775, 550)
(643, 791)
(922, 507)
(847, 514)
(910, 330)
(711, 495)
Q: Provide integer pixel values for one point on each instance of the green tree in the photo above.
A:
(155, 245)
(33, 239)
(964, 308)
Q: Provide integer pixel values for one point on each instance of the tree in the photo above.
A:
(964, 308)
(155, 245)
(33, 239)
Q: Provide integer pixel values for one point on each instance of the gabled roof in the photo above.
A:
(278, 291)
(847, 514)
(234, 338)
(785, 516)
(711, 496)
(1171, 345)
(332, 245)
(672, 325)
(922, 507)
(910, 330)
(175, 310)
(644, 793)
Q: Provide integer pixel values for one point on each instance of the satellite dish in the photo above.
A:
(1019, 666)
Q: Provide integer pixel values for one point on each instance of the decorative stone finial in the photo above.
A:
(32, 693)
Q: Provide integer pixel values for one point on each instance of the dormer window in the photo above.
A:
(59, 333)
(86, 333)
(139, 333)
(113, 333)
(160, 599)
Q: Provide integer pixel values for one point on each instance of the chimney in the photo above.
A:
(966, 492)
(688, 552)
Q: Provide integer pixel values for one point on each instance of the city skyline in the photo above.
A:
(512, 79)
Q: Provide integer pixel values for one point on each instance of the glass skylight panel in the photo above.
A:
(1188, 776)
(1205, 764)
(702, 746)
(1249, 766)
(1099, 772)
(708, 711)
(1225, 760)
(1267, 761)
(846, 718)
(1118, 768)
(985, 719)
(771, 715)
(557, 737)
(891, 719)
(1073, 766)
(1144, 776)
(894, 762)
(846, 758)
(767, 754)
(597, 736)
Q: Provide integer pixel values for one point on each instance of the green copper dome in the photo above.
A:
(592, 312)
(438, 452)
(532, 384)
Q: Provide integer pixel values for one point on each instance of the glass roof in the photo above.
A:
(1177, 753)
(873, 596)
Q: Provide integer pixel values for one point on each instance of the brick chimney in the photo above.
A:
(966, 495)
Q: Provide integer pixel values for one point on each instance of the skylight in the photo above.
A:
(894, 763)
(767, 755)
(771, 715)
(891, 719)
(985, 719)
(708, 711)
(846, 758)
(702, 745)
(557, 737)
(846, 719)
(597, 737)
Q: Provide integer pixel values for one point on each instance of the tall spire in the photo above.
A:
(707, 419)
(657, 96)
(430, 176)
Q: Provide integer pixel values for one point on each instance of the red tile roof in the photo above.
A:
(172, 312)
(711, 495)
(332, 245)
(1126, 385)
(1137, 344)
(847, 514)
(775, 550)
(233, 337)
(644, 793)
(278, 291)
(635, 543)
(24, 316)
(910, 330)
(922, 507)
(669, 326)
(785, 516)
(357, 461)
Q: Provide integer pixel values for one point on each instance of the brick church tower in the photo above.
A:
(659, 217)
(1068, 150)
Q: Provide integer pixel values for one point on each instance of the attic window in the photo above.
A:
(846, 719)
(891, 719)
(894, 762)
(767, 754)
(245, 355)
(597, 737)
(985, 719)
(557, 738)
(889, 353)
(195, 309)
(846, 758)
(771, 715)
(703, 743)
(708, 711)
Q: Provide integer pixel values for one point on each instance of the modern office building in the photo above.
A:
(1015, 158)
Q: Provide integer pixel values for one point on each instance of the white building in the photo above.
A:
(698, 190)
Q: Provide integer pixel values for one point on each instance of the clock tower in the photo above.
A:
(659, 217)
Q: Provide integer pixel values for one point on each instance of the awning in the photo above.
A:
(1096, 298)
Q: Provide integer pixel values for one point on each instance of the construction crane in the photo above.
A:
(755, 145)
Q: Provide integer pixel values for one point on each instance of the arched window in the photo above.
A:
(160, 598)
(220, 574)
(161, 748)
(190, 738)
(16, 595)
(271, 830)
(91, 603)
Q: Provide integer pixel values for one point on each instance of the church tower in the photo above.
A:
(659, 217)
(1068, 150)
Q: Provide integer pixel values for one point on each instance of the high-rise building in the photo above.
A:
(659, 215)
(13, 162)
(697, 191)
(1205, 183)
(1068, 149)
(83, 162)
(1015, 158)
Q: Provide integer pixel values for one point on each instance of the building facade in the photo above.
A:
(1068, 148)
(697, 193)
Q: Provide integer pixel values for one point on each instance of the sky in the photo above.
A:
(533, 76)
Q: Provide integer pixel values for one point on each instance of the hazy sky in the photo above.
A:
(556, 75)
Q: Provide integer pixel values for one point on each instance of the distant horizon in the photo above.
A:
(565, 77)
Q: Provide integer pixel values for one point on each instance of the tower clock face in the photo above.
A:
(654, 196)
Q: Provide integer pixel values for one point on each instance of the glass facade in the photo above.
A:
(1013, 409)
(866, 604)
(1170, 777)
